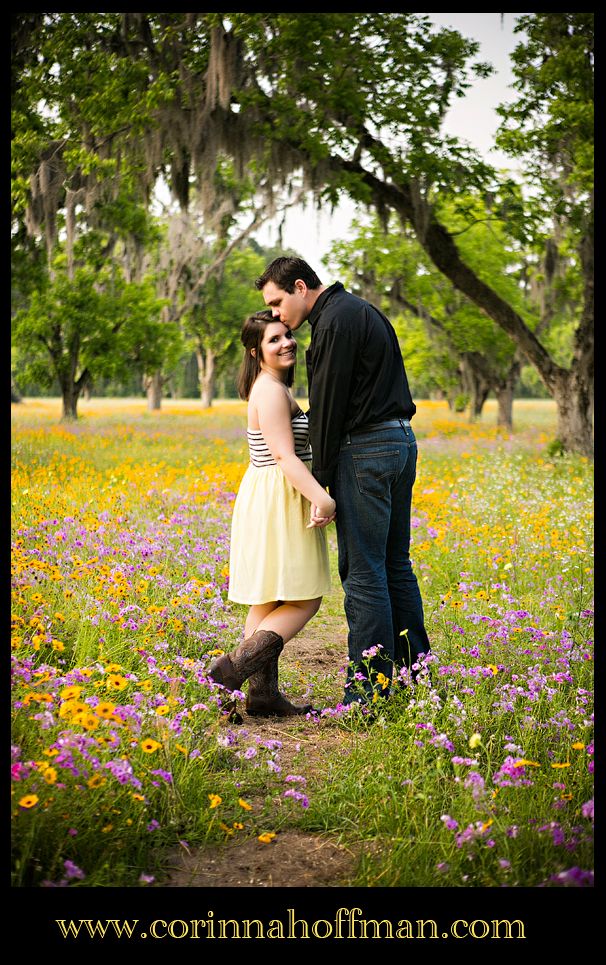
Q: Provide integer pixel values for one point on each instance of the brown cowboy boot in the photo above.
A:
(264, 698)
(232, 669)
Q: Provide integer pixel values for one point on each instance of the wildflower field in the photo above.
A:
(480, 775)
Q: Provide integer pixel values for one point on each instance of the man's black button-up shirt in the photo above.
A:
(355, 374)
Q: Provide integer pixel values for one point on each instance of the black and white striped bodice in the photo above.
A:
(261, 456)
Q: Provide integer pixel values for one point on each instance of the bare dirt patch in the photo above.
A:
(291, 860)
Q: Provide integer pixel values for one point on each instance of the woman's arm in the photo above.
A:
(273, 410)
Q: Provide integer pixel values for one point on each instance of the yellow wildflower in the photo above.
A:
(105, 709)
(244, 804)
(267, 837)
(96, 781)
(215, 800)
(70, 707)
(86, 719)
(150, 745)
(29, 801)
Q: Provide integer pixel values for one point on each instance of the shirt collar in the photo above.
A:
(322, 299)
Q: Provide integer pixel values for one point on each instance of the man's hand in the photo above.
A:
(316, 520)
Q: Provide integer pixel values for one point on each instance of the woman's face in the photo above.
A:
(278, 349)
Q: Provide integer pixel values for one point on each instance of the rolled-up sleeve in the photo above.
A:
(331, 361)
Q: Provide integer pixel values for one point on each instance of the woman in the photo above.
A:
(279, 558)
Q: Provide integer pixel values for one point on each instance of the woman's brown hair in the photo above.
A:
(251, 338)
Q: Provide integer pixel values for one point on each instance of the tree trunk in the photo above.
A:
(15, 394)
(476, 385)
(70, 394)
(573, 398)
(153, 390)
(206, 374)
(504, 392)
(87, 389)
(505, 406)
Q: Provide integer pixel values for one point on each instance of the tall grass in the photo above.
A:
(479, 775)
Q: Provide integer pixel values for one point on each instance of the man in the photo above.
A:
(365, 453)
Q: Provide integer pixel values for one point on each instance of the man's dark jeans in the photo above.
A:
(373, 490)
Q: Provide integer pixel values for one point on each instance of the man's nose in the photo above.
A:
(275, 312)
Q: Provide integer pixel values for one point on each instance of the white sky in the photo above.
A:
(472, 118)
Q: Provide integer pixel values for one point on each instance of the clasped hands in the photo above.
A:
(317, 520)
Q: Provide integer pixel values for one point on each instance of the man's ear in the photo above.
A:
(300, 286)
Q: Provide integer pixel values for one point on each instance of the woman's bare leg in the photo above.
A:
(286, 619)
(256, 614)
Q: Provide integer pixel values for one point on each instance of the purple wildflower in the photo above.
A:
(72, 870)
(475, 781)
(166, 775)
(587, 810)
(298, 797)
(571, 878)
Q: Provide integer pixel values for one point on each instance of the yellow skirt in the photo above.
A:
(273, 556)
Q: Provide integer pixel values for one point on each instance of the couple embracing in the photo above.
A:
(364, 460)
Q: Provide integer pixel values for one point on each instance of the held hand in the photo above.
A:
(318, 520)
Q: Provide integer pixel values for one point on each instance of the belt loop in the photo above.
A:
(347, 439)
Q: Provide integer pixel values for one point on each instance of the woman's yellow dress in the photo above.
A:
(273, 556)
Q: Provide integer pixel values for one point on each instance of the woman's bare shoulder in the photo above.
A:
(268, 388)
(267, 394)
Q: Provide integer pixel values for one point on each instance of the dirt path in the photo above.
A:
(293, 858)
